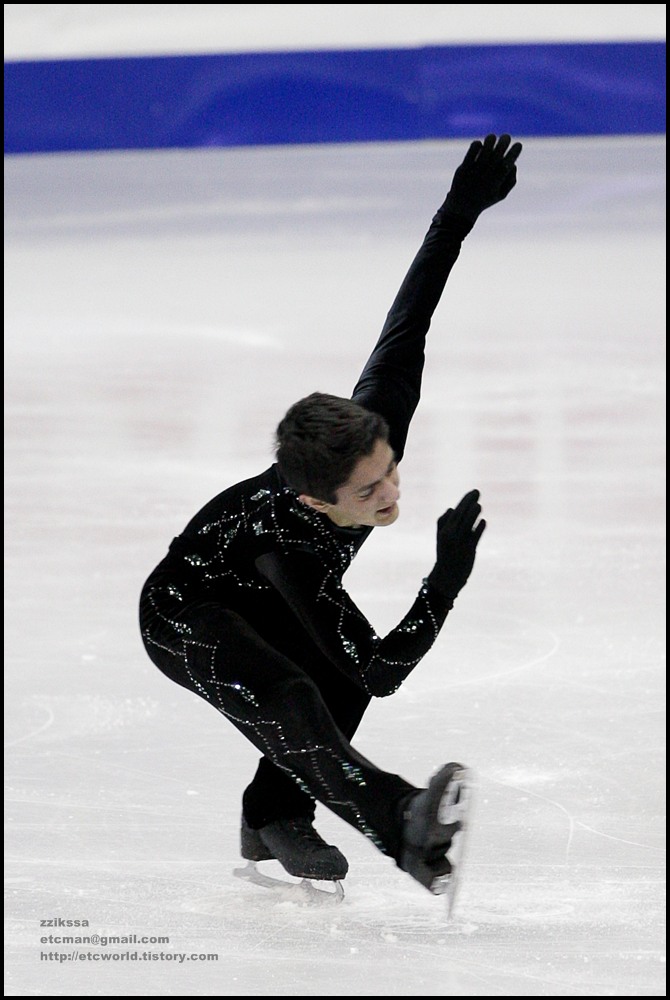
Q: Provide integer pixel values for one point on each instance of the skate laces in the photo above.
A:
(303, 827)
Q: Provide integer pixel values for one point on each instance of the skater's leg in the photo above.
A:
(215, 653)
(272, 794)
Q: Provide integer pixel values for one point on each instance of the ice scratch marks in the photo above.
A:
(619, 840)
(34, 732)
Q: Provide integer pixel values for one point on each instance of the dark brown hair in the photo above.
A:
(321, 439)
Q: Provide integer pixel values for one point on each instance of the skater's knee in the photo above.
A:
(294, 688)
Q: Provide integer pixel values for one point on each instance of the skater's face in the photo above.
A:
(370, 496)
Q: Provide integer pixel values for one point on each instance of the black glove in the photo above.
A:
(457, 540)
(485, 177)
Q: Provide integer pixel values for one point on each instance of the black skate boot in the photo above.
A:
(431, 820)
(252, 847)
(298, 848)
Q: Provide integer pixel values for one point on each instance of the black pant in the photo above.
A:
(300, 719)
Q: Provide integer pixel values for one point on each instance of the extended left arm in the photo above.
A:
(391, 380)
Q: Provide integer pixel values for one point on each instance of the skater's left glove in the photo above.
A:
(485, 177)
(457, 539)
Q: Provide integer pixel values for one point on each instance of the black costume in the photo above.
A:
(248, 610)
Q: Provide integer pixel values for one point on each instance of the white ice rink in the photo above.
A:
(162, 312)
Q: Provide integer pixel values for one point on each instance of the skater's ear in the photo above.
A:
(320, 505)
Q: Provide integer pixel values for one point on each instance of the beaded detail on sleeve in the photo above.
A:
(269, 540)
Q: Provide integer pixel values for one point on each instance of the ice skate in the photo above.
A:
(434, 827)
(301, 851)
(252, 847)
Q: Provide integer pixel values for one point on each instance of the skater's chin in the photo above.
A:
(387, 515)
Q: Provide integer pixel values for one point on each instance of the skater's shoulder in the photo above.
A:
(230, 499)
(270, 516)
(259, 500)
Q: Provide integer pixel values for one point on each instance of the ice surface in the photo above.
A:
(162, 311)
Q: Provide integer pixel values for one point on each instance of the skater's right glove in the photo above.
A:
(457, 539)
(485, 177)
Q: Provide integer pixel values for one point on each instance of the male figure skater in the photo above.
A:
(248, 609)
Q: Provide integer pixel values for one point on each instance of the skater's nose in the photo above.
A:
(393, 482)
(389, 492)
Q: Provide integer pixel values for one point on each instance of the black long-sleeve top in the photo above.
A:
(257, 549)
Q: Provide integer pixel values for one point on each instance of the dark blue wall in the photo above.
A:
(335, 96)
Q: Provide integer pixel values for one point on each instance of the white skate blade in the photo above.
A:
(304, 891)
(455, 806)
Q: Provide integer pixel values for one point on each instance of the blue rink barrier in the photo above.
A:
(370, 95)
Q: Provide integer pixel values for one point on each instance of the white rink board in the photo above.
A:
(39, 31)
